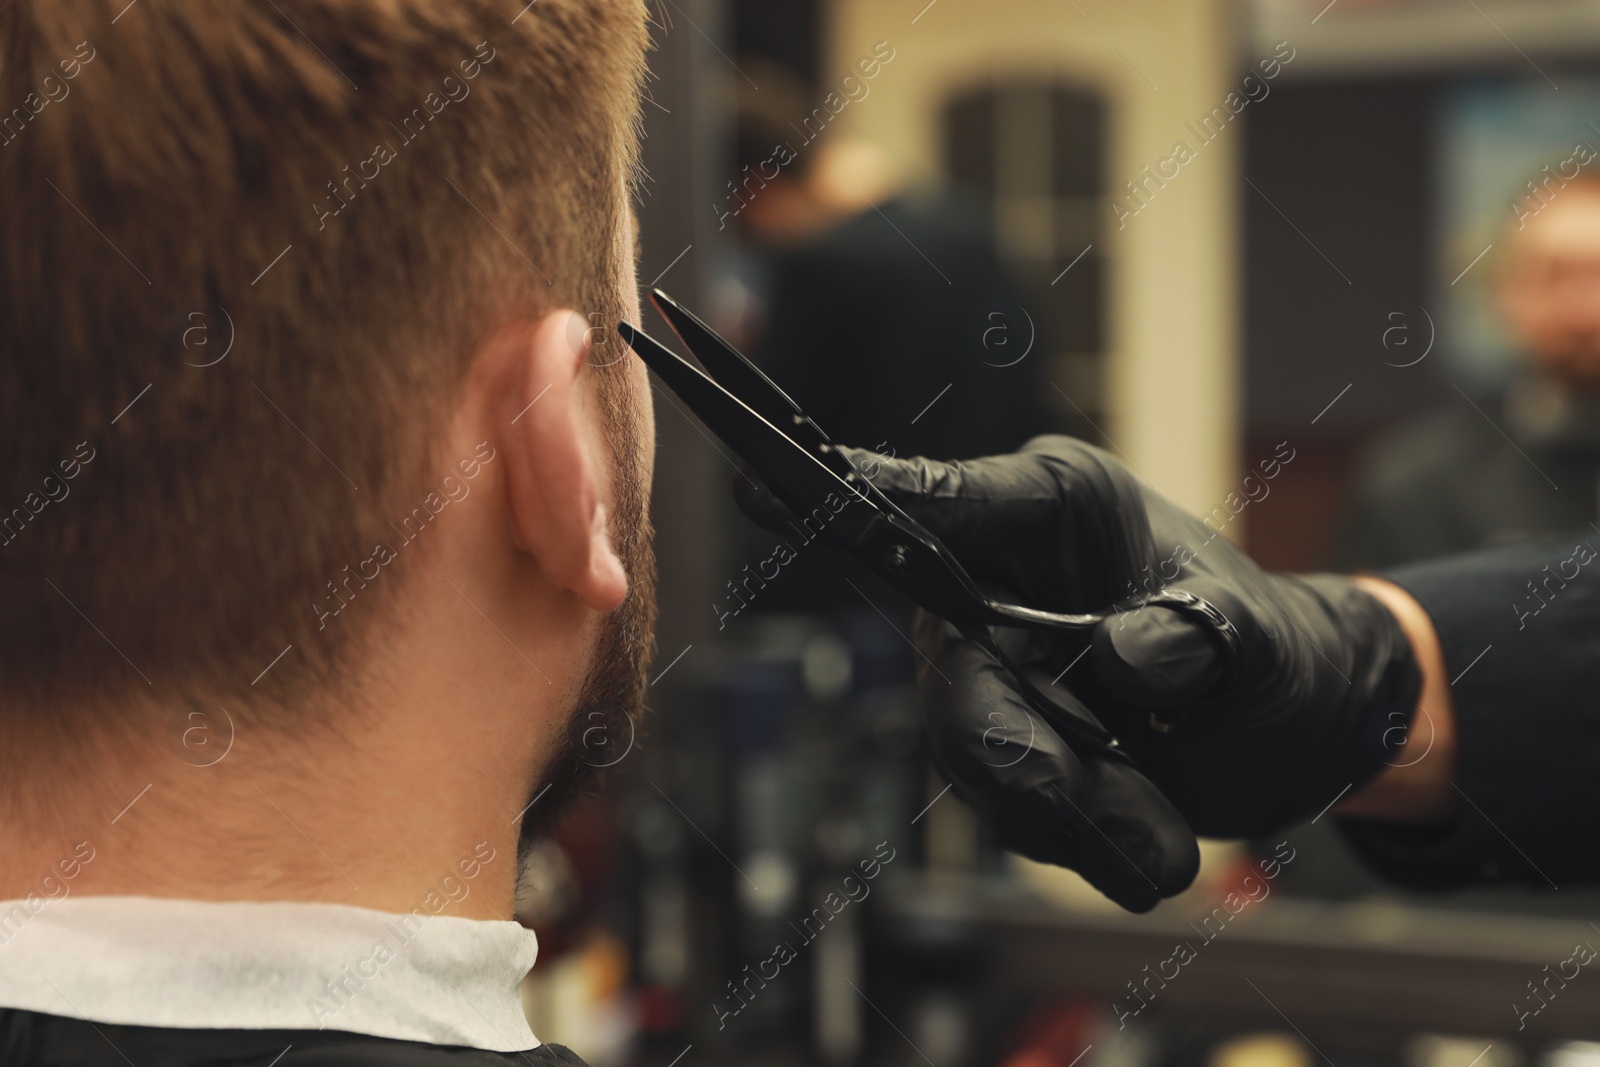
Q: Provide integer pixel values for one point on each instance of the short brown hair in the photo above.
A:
(349, 192)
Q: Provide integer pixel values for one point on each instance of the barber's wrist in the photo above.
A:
(1418, 785)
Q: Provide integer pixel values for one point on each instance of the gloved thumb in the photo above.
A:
(1060, 523)
(1158, 658)
(964, 503)
(967, 502)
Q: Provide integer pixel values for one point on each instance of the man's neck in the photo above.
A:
(391, 819)
(371, 800)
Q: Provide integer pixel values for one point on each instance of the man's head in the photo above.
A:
(1549, 283)
(308, 369)
(792, 176)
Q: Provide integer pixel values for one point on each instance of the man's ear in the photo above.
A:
(552, 465)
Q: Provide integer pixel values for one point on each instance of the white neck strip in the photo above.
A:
(267, 966)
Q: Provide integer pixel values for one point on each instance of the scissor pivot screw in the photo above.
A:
(899, 556)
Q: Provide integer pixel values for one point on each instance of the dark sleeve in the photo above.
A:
(1520, 628)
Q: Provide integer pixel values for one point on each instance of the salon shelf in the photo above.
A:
(1379, 964)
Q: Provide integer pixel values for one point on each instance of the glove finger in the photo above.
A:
(1060, 522)
(1095, 815)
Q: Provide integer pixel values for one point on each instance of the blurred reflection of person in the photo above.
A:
(919, 346)
(1450, 481)
(887, 315)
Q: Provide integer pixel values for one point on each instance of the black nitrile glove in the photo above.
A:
(1321, 689)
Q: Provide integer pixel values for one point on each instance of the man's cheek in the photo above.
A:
(628, 259)
(645, 412)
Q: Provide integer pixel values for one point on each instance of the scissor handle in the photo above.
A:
(921, 567)
(1202, 610)
(1087, 732)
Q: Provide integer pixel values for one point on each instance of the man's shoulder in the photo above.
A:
(34, 1037)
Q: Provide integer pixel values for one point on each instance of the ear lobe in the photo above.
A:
(556, 508)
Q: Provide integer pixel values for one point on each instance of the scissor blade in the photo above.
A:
(728, 366)
(797, 477)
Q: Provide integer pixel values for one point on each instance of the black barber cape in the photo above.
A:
(37, 1040)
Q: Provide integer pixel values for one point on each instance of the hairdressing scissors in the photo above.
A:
(803, 469)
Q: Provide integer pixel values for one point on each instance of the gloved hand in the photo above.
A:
(1319, 693)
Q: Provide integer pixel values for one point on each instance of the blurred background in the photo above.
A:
(1355, 243)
